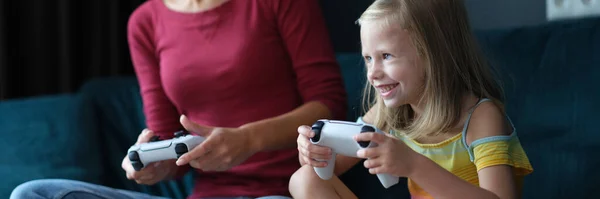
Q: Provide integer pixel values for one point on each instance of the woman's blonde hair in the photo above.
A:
(452, 64)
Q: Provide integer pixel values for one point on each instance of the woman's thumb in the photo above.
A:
(145, 136)
(194, 127)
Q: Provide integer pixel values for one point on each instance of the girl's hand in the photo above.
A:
(390, 156)
(310, 153)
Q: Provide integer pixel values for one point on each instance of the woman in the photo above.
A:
(244, 74)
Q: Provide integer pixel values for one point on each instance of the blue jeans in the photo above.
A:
(69, 189)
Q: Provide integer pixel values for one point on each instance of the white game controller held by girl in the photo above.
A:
(338, 135)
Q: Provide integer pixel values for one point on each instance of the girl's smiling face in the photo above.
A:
(393, 67)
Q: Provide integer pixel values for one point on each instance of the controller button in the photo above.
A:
(180, 149)
(365, 144)
(367, 129)
(133, 156)
(316, 127)
(180, 133)
(137, 165)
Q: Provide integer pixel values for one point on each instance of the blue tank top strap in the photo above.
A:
(466, 125)
(482, 140)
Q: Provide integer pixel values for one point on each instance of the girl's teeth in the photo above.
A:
(387, 88)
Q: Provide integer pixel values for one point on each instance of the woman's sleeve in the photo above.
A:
(306, 38)
(161, 115)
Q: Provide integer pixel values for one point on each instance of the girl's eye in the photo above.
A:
(387, 56)
(368, 58)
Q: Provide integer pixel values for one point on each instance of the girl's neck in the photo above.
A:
(468, 100)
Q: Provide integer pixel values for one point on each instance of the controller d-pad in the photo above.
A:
(155, 138)
(316, 127)
(180, 149)
(364, 129)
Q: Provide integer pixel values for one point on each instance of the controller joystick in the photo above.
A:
(143, 154)
(338, 135)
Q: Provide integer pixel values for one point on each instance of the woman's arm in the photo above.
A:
(280, 132)
(319, 79)
(161, 116)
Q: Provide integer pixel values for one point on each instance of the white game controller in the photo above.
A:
(143, 154)
(338, 135)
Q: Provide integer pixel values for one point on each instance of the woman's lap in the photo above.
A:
(70, 189)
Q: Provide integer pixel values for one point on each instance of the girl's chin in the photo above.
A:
(392, 103)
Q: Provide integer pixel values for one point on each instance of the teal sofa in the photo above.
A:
(550, 72)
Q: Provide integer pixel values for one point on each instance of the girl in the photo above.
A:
(435, 95)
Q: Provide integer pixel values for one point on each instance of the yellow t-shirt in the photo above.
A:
(465, 161)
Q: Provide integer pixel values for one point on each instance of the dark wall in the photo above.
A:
(341, 16)
(54, 46)
(483, 15)
(494, 14)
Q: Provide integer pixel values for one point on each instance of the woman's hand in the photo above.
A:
(390, 156)
(153, 172)
(223, 148)
(310, 153)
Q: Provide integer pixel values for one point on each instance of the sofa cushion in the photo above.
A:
(353, 73)
(47, 137)
(551, 73)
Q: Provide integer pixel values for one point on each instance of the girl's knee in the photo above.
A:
(303, 178)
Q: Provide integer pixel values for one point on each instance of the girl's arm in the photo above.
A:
(494, 181)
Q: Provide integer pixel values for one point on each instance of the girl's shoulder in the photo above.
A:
(486, 119)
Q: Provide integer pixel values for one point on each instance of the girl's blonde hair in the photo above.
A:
(453, 65)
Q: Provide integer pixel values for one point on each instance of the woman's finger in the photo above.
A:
(145, 136)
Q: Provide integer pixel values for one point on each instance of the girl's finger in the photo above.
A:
(368, 153)
(315, 163)
(371, 163)
(313, 155)
(306, 131)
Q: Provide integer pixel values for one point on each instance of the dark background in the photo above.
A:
(54, 46)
